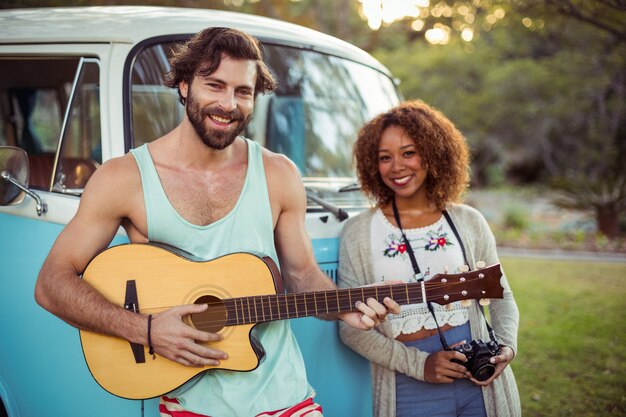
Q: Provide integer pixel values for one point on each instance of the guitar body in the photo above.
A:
(164, 279)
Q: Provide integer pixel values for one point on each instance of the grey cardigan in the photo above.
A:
(387, 355)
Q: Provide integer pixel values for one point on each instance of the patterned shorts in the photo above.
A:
(169, 407)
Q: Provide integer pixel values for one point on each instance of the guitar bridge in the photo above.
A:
(131, 303)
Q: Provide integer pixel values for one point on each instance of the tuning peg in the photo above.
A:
(464, 268)
(466, 303)
(480, 264)
(445, 269)
(484, 302)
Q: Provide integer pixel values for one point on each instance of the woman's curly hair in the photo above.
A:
(439, 143)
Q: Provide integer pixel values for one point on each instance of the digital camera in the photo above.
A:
(478, 354)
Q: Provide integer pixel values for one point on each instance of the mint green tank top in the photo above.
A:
(280, 380)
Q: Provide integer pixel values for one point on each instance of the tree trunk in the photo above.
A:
(607, 218)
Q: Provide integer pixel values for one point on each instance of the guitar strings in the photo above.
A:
(246, 312)
(250, 316)
(341, 292)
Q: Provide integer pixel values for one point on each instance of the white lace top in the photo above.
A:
(436, 248)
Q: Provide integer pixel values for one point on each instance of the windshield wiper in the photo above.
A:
(339, 213)
(350, 187)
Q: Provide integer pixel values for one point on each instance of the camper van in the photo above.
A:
(79, 86)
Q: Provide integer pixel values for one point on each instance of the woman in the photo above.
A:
(413, 158)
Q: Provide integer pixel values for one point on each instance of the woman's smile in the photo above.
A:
(402, 181)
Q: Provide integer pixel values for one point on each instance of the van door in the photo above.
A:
(51, 106)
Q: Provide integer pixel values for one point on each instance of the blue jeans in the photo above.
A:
(418, 398)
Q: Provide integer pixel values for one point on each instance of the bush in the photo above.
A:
(515, 218)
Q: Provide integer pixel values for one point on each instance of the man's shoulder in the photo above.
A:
(118, 172)
(278, 164)
(120, 165)
(114, 189)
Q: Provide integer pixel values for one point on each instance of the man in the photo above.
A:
(206, 190)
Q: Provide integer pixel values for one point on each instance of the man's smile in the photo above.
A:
(220, 119)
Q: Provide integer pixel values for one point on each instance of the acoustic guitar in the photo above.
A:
(241, 290)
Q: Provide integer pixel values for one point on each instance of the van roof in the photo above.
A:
(133, 24)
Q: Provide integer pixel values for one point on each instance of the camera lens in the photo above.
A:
(484, 372)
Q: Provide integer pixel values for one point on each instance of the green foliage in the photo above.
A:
(516, 218)
(570, 361)
(545, 103)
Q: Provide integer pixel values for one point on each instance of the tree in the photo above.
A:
(587, 166)
(605, 15)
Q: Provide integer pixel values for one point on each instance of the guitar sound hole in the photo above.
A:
(213, 319)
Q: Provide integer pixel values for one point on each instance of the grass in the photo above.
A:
(572, 338)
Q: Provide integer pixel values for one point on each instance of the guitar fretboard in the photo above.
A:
(263, 308)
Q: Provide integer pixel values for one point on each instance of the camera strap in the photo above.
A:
(492, 335)
(416, 269)
(420, 277)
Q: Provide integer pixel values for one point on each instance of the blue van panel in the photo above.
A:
(326, 251)
(49, 377)
(339, 375)
(46, 368)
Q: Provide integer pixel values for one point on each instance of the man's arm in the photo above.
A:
(59, 289)
(106, 201)
(299, 269)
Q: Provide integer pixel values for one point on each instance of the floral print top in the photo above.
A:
(436, 251)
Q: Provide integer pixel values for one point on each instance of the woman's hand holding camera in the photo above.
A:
(500, 361)
(445, 366)
(439, 369)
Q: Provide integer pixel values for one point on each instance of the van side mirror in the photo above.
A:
(14, 178)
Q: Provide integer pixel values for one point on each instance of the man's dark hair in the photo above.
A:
(202, 55)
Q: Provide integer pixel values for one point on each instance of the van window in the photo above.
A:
(313, 116)
(155, 108)
(80, 151)
(320, 104)
(34, 97)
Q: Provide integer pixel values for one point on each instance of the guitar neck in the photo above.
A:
(263, 308)
(441, 288)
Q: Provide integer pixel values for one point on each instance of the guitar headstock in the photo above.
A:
(481, 283)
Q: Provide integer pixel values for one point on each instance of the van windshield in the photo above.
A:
(312, 117)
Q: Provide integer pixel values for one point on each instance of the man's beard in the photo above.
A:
(214, 138)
